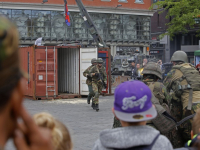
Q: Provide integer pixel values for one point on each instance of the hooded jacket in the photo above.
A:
(127, 137)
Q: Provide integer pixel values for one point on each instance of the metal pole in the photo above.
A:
(109, 72)
(46, 74)
(54, 72)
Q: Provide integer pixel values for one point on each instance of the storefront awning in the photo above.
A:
(197, 53)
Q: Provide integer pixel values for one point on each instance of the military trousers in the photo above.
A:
(91, 92)
(97, 89)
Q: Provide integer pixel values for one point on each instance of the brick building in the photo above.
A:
(123, 24)
(163, 49)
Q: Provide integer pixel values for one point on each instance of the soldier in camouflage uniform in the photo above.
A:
(89, 79)
(97, 72)
(184, 81)
(151, 74)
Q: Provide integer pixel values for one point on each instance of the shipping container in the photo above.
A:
(56, 71)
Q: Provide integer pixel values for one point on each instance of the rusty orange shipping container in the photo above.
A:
(56, 71)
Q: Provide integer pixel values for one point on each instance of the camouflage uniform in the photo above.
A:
(159, 91)
(89, 82)
(178, 104)
(96, 82)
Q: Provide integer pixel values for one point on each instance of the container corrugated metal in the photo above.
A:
(53, 71)
(68, 70)
(46, 72)
(27, 64)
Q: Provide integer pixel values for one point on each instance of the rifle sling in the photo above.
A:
(185, 119)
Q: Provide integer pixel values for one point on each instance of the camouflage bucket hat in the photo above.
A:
(10, 72)
(153, 68)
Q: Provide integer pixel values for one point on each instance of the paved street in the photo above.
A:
(83, 122)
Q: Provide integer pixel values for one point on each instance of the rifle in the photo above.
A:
(101, 78)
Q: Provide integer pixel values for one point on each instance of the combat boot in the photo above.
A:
(88, 99)
(93, 104)
(96, 106)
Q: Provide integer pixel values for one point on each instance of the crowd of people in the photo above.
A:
(148, 116)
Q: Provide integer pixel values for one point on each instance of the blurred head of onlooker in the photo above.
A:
(11, 96)
(133, 108)
(145, 61)
(138, 66)
(11, 93)
(160, 62)
(60, 134)
(133, 64)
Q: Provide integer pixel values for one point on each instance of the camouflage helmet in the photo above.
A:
(179, 56)
(153, 68)
(99, 60)
(94, 60)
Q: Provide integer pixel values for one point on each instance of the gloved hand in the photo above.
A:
(105, 86)
(97, 74)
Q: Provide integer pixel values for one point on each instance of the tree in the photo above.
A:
(183, 13)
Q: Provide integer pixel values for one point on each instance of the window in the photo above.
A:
(124, 1)
(138, 1)
(154, 1)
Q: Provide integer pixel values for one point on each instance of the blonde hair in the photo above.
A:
(196, 122)
(60, 134)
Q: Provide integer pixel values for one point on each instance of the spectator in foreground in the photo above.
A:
(133, 107)
(60, 134)
(27, 135)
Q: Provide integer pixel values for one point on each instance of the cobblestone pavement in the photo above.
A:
(83, 122)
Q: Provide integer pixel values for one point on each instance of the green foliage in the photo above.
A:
(182, 13)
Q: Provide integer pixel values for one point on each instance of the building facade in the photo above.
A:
(163, 49)
(160, 47)
(119, 22)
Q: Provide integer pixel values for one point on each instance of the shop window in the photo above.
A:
(139, 1)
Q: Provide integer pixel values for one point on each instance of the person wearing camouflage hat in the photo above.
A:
(89, 79)
(184, 81)
(99, 80)
(151, 74)
(11, 94)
